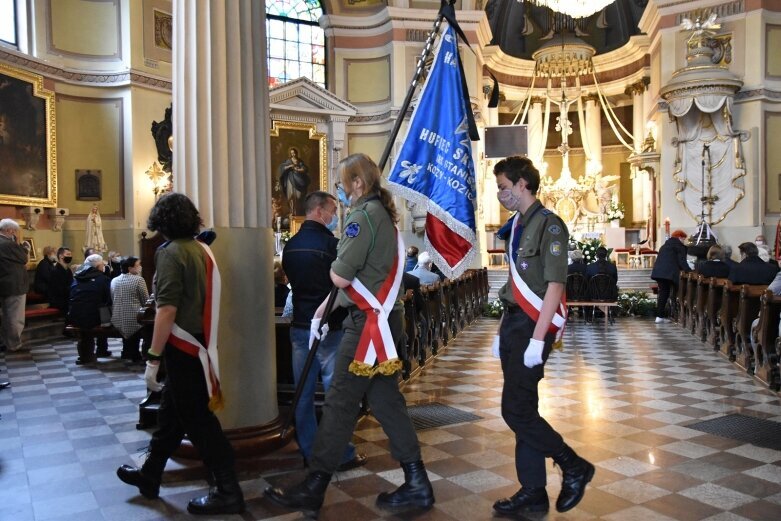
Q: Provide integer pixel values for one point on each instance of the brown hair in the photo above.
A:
(679, 234)
(361, 166)
(714, 252)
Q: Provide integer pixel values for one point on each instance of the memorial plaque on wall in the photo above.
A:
(88, 185)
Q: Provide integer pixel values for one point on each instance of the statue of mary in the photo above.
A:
(94, 231)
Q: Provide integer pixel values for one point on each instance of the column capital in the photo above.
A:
(637, 87)
(591, 97)
(537, 100)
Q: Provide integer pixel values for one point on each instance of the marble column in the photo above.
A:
(536, 137)
(220, 100)
(594, 134)
(640, 191)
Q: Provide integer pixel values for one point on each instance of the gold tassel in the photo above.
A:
(388, 367)
(558, 345)
(217, 401)
(360, 369)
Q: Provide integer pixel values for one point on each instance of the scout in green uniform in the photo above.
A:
(367, 251)
(539, 251)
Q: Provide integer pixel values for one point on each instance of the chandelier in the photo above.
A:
(573, 8)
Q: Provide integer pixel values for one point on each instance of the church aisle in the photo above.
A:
(623, 399)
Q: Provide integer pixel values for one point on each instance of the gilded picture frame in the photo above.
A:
(28, 144)
(298, 166)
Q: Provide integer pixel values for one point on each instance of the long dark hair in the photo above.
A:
(361, 166)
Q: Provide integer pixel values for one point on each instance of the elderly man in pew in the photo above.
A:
(90, 297)
(751, 269)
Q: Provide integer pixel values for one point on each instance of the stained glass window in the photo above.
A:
(296, 43)
(8, 21)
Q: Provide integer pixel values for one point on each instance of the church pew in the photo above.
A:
(440, 314)
(410, 344)
(433, 314)
(748, 310)
(766, 367)
(461, 303)
(700, 299)
(472, 293)
(450, 303)
(689, 306)
(677, 311)
(730, 298)
(426, 330)
(711, 312)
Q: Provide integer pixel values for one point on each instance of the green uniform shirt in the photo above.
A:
(180, 274)
(367, 248)
(542, 252)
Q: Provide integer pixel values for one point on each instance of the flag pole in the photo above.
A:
(413, 85)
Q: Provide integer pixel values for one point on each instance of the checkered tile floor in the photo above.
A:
(622, 399)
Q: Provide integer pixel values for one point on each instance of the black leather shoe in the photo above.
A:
(357, 461)
(148, 486)
(416, 491)
(3, 385)
(576, 474)
(307, 495)
(103, 353)
(225, 497)
(525, 500)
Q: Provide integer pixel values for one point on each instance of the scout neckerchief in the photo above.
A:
(376, 344)
(187, 343)
(529, 302)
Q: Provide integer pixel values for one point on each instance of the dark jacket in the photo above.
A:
(577, 267)
(60, 287)
(43, 275)
(307, 259)
(603, 266)
(670, 261)
(752, 270)
(714, 268)
(90, 291)
(13, 268)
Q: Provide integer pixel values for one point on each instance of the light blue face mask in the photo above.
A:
(333, 224)
(342, 196)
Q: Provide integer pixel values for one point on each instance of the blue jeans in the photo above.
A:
(323, 364)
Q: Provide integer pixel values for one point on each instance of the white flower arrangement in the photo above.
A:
(615, 211)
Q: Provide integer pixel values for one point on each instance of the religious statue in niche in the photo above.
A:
(162, 133)
(94, 231)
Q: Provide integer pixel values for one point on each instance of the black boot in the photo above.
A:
(416, 490)
(147, 478)
(225, 497)
(307, 495)
(576, 473)
(525, 500)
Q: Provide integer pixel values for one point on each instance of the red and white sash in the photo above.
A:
(376, 344)
(529, 302)
(187, 343)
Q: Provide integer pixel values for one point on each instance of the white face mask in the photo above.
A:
(509, 199)
(52, 258)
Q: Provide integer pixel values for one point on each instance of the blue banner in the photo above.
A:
(435, 168)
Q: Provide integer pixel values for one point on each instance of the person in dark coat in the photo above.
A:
(669, 263)
(751, 269)
(61, 280)
(602, 265)
(44, 270)
(90, 291)
(714, 266)
(577, 265)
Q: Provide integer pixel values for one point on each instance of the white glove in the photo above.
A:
(150, 376)
(533, 354)
(495, 346)
(313, 331)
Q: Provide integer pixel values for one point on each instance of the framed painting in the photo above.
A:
(28, 157)
(298, 166)
(32, 255)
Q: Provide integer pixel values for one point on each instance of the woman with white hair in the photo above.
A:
(90, 291)
(13, 284)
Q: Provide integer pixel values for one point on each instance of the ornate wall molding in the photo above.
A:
(757, 94)
(116, 79)
(722, 11)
